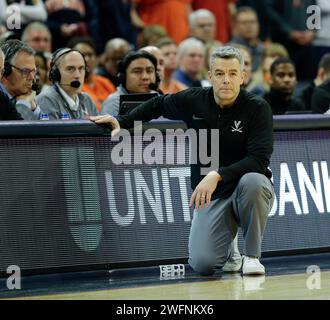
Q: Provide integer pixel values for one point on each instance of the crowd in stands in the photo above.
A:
(75, 58)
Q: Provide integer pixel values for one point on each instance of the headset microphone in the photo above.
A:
(36, 87)
(74, 84)
(153, 86)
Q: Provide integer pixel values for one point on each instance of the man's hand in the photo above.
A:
(29, 97)
(204, 190)
(109, 120)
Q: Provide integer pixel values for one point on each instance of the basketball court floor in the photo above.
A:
(303, 277)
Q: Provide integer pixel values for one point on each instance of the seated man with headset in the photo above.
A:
(137, 74)
(17, 82)
(64, 99)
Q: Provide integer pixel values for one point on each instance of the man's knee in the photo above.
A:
(255, 186)
(201, 265)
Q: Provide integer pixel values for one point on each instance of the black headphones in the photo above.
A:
(7, 69)
(127, 60)
(54, 73)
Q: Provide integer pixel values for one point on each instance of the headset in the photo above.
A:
(127, 60)
(54, 73)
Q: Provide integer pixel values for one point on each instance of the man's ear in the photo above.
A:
(209, 74)
(321, 73)
(243, 77)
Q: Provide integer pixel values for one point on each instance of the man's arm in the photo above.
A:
(172, 106)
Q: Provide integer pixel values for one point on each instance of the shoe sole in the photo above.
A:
(254, 273)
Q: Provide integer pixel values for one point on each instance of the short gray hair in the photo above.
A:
(186, 44)
(227, 52)
(34, 26)
(201, 13)
(12, 47)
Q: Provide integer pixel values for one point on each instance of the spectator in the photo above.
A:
(262, 77)
(41, 80)
(157, 53)
(172, 15)
(114, 19)
(170, 53)
(66, 19)
(63, 99)
(261, 9)
(289, 27)
(246, 54)
(150, 35)
(37, 36)
(19, 72)
(321, 98)
(282, 85)
(191, 62)
(202, 25)
(306, 93)
(138, 74)
(96, 86)
(224, 11)
(246, 27)
(7, 107)
(115, 51)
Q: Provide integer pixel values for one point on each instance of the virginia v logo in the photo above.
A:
(236, 127)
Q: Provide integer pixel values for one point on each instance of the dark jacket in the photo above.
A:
(321, 98)
(245, 131)
(305, 95)
(280, 105)
(7, 108)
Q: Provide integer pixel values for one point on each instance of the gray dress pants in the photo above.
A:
(214, 228)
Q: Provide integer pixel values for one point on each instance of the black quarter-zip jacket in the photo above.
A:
(245, 131)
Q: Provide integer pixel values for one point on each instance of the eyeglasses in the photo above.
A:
(25, 71)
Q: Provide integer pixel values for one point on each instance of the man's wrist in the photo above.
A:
(215, 174)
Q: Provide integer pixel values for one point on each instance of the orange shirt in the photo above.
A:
(171, 14)
(100, 89)
(172, 87)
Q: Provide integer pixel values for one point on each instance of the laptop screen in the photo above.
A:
(130, 101)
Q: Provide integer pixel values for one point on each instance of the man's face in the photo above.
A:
(89, 54)
(226, 78)
(72, 68)
(247, 25)
(192, 62)
(139, 74)
(204, 29)
(170, 54)
(113, 56)
(40, 40)
(247, 66)
(42, 75)
(284, 78)
(157, 53)
(20, 80)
